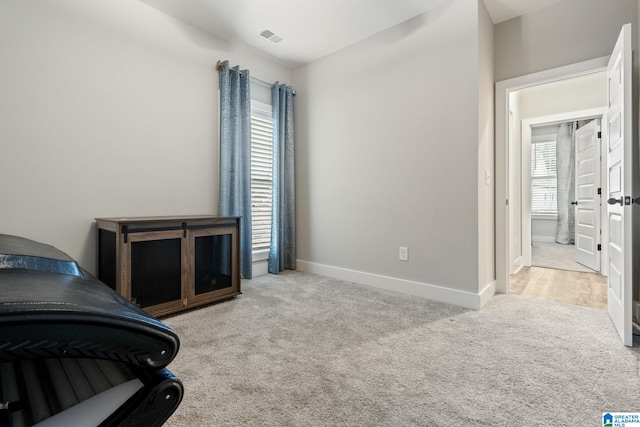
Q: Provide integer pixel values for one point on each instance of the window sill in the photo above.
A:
(261, 255)
(548, 217)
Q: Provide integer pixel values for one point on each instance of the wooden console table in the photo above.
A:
(171, 263)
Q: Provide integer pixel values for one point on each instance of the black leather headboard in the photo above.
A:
(53, 310)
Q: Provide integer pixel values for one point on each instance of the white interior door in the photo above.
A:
(587, 201)
(619, 167)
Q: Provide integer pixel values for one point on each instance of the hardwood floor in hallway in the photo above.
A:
(570, 287)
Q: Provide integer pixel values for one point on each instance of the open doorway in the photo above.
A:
(563, 177)
(542, 106)
(538, 265)
(561, 182)
(622, 171)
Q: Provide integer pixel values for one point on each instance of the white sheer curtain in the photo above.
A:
(565, 161)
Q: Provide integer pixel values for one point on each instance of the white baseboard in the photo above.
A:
(517, 265)
(487, 293)
(424, 290)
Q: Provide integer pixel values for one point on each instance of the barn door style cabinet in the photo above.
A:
(169, 264)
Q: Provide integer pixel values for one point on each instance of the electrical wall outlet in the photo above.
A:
(404, 253)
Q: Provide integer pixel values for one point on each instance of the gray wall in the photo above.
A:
(107, 109)
(565, 33)
(486, 148)
(387, 152)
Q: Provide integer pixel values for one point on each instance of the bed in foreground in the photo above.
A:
(73, 351)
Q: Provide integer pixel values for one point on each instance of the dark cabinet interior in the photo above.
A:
(212, 263)
(156, 272)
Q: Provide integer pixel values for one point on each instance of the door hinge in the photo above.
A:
(599, 247)
(599, 134)
(600, 191)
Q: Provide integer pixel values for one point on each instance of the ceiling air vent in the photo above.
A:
(271, 36)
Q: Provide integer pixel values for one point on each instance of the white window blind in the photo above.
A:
(261, 180)
(544, 177)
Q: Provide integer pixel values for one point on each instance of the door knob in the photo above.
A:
(613, 201)
(574, 203)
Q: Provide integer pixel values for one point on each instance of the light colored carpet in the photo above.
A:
(305, 350)
(555, 255)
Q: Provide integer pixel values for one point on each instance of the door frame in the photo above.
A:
(527, 124)
(502, 91)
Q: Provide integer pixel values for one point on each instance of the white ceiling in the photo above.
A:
(313, 29)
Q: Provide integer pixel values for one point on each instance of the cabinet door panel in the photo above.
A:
(212, 263)
(156, 270)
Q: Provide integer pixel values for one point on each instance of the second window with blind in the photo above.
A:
(544, 175)
(261, 178)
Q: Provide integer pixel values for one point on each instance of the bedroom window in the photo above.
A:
(544, 177)
(261, 180)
